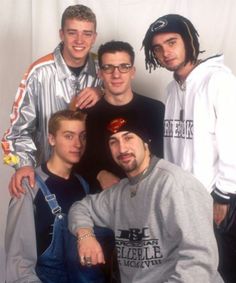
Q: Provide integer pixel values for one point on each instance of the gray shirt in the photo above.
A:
(164, 232)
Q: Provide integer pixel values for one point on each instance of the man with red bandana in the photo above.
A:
(162, 234)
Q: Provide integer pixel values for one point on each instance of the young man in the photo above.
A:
(48, 86)
(39, 247)
(199, 119)
(116, 70)
(162, 233)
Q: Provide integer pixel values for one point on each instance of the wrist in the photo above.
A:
(220, 197)
(84, 233)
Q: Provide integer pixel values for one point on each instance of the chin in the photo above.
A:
(74, 160)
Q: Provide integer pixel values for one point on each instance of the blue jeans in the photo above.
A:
(59, 263)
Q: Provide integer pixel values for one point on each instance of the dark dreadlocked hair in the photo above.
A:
(176, 24)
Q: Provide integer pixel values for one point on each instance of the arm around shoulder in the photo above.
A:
(20, 240)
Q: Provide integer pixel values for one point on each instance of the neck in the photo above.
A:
(182, 73)
(141, 170)
(73, 62)
(118, 99)
(59, 168)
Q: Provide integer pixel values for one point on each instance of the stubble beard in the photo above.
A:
(130, 167)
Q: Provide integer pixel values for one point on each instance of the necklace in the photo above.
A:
(182, 87)
(134, 189)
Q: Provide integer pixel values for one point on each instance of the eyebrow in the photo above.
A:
(84, 30)
(68, 132)
(166, 41)
(125, 134)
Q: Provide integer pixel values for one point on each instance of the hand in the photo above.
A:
(89, 249)
(219, 212)
(15, 186)
(107, 179)
(87, 97)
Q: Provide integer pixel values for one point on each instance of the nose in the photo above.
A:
(116, 72)
(122, 147)
(165, 51)
(79, 37)
(77, 142)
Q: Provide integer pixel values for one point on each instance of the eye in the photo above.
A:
(128, 137)
(68, 136)
(156, 49)
(124, 68)
(112, 142)
(172, 42)
(107, 67)
(88, 33)
(72, 32)
(83, 137)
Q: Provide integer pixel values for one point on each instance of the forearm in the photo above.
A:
(20, 240)
(92, 211)
(17, 143)
(79, 218)
(18, 146)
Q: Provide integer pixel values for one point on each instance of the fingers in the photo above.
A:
(11, 188)
(86, 261)
(15, 186)
(220, 212)
(72, 105)
(90, 252)
(31, 176)
(88, 97)
(92, 259)
(107, 179)
(100, 257)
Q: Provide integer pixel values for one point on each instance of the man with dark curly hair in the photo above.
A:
(199, 121)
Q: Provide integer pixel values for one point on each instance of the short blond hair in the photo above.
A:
(79, 12)
(68, 115)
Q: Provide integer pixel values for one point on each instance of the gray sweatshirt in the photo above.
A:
(163, 226)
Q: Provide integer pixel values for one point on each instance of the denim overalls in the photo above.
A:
(59, 263)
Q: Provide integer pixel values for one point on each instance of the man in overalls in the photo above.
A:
(39, 246)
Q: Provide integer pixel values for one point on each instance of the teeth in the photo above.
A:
(79, 48)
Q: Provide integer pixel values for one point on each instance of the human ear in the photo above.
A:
(51, 140)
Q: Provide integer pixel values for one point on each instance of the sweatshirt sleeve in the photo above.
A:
(17, 143)
(223, 85)
(20, 240)
(93, 210)
(188, 221)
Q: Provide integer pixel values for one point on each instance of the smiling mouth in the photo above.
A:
(77, 48)
(117, 83)
(169, 61)
(75, 153)
(125, 157)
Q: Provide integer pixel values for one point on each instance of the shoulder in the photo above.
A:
(39, 64)
(101, 108)
(177, 180)
(148, 101)
(212, 68)
(41, 173)
(82, 182)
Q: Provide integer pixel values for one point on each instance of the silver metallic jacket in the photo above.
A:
(47, 87)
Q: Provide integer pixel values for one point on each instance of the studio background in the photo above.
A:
(29, 30)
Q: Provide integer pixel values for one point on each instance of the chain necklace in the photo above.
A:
(181, 101)
(134, 189)
(182, 86)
